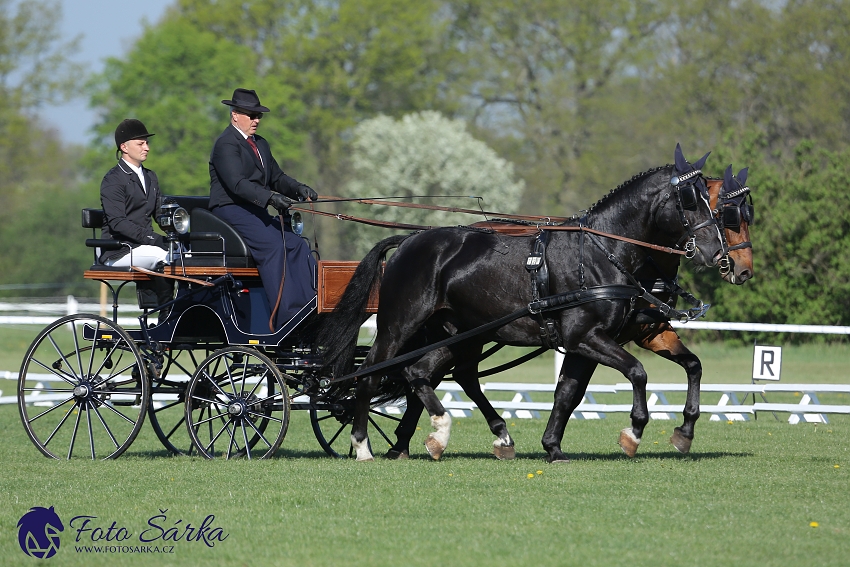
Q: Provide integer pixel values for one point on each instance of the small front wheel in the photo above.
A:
(83, 390)
(237, 405)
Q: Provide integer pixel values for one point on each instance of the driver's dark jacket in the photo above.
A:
(128, 208)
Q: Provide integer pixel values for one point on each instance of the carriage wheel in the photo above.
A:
(167, 413)
(83, 389)
(332, 425)
(237, 405)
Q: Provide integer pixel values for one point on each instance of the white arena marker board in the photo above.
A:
(767, 362)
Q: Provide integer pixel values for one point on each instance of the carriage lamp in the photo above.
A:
(297, 223)
(173, 218)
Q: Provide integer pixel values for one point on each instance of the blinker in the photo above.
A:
(731, 216)
(688, 194)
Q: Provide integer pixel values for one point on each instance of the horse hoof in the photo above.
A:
(507, 453)
(366, 460)
(682, 443)
(395, 455)
(628, 442)
(434, 447)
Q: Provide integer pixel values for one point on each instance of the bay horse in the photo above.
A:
(647, 328)
(448, 281)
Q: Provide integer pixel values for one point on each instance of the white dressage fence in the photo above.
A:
(522, 405)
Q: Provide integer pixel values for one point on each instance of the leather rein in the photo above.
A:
(495, 226)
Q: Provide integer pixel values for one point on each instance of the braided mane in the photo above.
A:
(617, 189)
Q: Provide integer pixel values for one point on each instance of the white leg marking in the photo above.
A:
(442, 426)
(361, 449)
(506, 442)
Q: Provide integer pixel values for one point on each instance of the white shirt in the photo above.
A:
(139, 172)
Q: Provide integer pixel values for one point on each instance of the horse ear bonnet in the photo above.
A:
(742, 176)
(701, 161)
(682, 165)
(728, 179)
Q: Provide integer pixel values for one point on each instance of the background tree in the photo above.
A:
(38, 173)
(174, 80)
(346, 61)
(425, 154)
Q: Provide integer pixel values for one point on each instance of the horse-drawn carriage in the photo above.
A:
(214, 381)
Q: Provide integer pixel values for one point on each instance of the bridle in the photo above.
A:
(733, 208)
(689, 188)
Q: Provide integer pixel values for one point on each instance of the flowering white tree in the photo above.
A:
(427, 154)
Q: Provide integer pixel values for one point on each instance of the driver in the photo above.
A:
(244, 180)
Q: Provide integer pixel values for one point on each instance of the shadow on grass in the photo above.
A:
(537, 456)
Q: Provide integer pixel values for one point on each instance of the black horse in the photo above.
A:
(647, 328)
(447, 281)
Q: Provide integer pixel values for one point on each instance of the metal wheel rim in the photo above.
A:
(228, 415)
(97, 391)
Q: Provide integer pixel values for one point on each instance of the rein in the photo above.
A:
(501, 229)
(373, 201)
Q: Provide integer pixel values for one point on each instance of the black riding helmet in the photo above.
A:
(130, 129)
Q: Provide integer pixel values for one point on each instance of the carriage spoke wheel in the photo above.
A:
(237, 405)
(167, 413)
(332, 426)
(83, 389)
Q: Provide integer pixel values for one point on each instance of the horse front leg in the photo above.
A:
(573, 379)
(466, 375)
(667, 344)
(600, 347)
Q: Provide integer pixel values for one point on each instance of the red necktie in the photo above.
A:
(254, 145)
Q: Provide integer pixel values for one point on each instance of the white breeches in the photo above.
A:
(144, 256)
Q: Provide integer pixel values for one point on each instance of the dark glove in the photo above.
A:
(280, 202)
(306, 192)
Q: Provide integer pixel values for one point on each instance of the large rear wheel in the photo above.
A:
(167, 411)
(237, 405)
(83, 389)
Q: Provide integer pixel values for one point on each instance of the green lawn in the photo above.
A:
(748, 495)
(752, 493)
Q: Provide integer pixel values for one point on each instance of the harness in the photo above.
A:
(537, 267)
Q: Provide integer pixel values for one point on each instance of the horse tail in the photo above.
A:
(337, 335)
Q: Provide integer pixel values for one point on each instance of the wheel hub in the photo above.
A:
(237, 408)
(82, 391)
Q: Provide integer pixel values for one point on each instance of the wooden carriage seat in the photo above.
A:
(206, 260)
(207, 235)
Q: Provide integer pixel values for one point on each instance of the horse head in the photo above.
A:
(733, 208)
(693, 216)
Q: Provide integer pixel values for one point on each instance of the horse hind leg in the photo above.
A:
(366, 390)
(435, 363)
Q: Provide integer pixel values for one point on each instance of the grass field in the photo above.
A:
(748, 495)
(751, 493)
